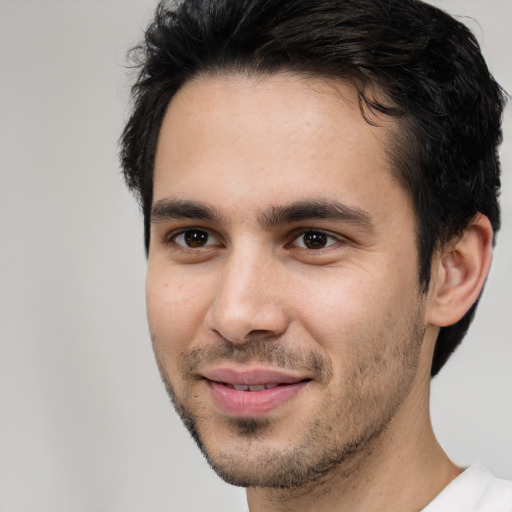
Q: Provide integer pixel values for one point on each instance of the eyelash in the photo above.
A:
(321, 236)
(173, 237)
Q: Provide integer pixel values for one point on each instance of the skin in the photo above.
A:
(334, 301)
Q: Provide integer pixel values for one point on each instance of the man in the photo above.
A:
(319, 185)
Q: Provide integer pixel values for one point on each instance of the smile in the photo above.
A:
(252, 392)
(246, 387)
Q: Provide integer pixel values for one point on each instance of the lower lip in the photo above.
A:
(252, 403)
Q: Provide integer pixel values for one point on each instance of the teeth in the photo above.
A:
(246, 387)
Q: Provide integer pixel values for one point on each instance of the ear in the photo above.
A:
(459, 273)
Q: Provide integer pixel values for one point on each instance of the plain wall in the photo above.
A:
(85, 424)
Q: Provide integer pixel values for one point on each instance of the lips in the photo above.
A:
(252, 392)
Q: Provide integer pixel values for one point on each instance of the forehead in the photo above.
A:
(271, 139)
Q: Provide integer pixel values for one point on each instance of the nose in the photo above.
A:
(250, 299)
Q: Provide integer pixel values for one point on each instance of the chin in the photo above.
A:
(249, 455)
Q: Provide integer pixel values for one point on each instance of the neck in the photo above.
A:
(401, 470)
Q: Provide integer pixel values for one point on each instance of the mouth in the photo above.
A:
(247, 387)
(252, 392)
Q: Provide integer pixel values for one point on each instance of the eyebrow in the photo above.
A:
(316, 209)
(168, 209)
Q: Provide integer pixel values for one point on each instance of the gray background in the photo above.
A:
(85, 424)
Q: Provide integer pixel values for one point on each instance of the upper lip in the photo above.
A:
(251, 376)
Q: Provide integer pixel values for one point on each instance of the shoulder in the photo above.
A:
(475, 490)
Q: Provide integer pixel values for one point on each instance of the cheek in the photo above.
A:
(344, 310)
(175, 310)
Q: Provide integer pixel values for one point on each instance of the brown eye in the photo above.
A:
(194, 238)
(314, 239)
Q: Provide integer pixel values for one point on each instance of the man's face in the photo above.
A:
(282, 286)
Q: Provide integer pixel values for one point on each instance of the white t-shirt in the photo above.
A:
(474, 490)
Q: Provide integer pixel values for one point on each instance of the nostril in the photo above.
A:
(240, 321)
(258, 332)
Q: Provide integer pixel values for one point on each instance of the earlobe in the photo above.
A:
(459, 273)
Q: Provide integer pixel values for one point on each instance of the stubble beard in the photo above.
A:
(314, 456)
